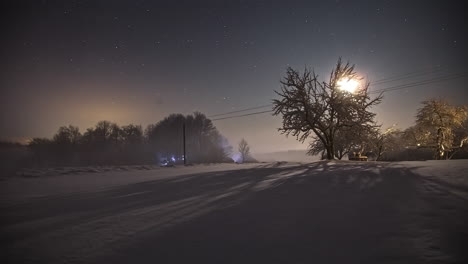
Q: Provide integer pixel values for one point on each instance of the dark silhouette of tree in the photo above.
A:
(204, 143)
(132, 134)
(132, 144)
(244, 150)
(105, 133)
(165, 137)
(67, 135)
(66, 144)
(103, 143)
(320, 109)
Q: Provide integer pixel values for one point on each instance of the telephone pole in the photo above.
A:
(183, 133)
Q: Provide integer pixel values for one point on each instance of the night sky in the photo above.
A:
(78, 62)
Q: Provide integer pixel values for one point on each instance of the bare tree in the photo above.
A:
(244, 149)
(443, 126)
(67, 135)
(132, 134)
(321, 109)
(203, 141)
(386, 141)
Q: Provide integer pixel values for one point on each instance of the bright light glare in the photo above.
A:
(349, 85)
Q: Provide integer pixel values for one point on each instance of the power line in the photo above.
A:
(393, 88)
(423, 82)
(243, 110)
(381, 81)
(255, 113)
(409, 75)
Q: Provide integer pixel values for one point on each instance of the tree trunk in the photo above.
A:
(332, 148)
(439, 143)
(330, 152)
(379, 154)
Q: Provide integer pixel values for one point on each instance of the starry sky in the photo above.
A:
(78, 62)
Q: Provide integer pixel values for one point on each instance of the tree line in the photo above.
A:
(107, 143)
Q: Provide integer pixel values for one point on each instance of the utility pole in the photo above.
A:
(185, 155)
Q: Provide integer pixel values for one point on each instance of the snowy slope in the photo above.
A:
(321, 212)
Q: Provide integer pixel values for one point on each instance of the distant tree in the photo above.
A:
(244, 150)
(321, 109)
(204, 143)
(165, 137)
(66, 144)
(67, 135)
(103, 144)
(203, 139)
(132, 146)
(105, 133)
(443, 126)
(132, 134)
(386, 141)
(39, 142)
(42, 148)
(416, 136)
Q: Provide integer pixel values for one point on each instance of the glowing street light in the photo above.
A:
(347, 84)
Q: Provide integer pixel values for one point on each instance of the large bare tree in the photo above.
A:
(320, 110)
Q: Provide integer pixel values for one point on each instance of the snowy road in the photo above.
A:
(323, 212)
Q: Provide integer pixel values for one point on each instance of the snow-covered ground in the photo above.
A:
(320, 212)
(288, 155)
(450, 171)
(35, 183)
